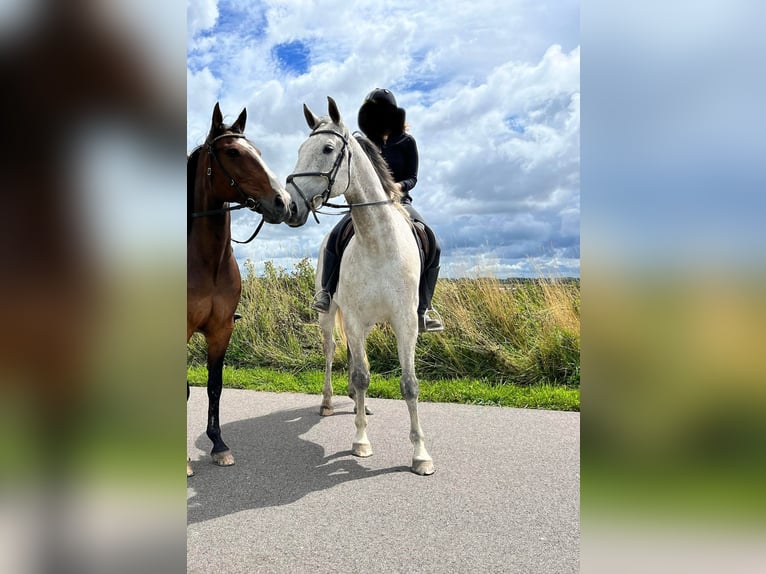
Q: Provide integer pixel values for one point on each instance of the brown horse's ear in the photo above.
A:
(332, 107)
(311, 119)
(239, 125)
(217, 119)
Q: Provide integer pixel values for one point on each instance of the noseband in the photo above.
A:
(249, 202)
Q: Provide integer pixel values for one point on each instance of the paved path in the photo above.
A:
(504, 498)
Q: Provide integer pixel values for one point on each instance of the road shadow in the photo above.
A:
(274, 467)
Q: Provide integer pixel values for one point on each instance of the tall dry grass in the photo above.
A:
(520, 332)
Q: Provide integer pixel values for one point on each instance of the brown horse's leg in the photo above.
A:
(216, 350)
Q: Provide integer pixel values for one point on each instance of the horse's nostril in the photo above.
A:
(293, 207)
(278, 201)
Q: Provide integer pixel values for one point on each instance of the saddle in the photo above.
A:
(424, 237)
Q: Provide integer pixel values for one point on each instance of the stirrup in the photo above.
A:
(321, 301)
(430, 322)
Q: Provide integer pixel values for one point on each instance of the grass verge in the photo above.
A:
(462, 391)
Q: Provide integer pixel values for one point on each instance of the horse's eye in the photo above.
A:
(328, 148)
(232, 152)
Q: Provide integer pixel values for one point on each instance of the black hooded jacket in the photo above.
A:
(401, 154)
(400, 150)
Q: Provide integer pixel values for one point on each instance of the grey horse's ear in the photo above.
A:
(332, 107)
(311, 119)
(239, 125)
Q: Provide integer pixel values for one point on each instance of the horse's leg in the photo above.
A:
(422, 463)
(327, 324)
(351, 394)
(359, 381)
(216, 349)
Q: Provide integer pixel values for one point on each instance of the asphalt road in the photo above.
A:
(504, 497)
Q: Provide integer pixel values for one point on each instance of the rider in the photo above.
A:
(383, 123)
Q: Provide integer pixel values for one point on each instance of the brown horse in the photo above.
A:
(226, 169)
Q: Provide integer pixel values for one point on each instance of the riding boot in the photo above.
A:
(428, 319)
(330, 275)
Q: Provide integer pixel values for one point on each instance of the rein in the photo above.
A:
(250, 202)
(330, 176)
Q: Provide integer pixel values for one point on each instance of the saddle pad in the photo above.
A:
(423, 235)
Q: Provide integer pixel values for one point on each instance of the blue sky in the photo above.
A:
(292, 57)
(492, 93)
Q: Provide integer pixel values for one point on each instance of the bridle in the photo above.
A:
(330, 176)
(249, 202)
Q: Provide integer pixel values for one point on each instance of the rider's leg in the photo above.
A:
(427, 321)
(330, 269)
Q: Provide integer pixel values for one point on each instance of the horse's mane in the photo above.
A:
(191, 173)
(381, 168)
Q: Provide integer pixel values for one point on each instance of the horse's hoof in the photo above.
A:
(423, 467)
(326, 411)
(362, 450)
(224, 458)
(189, 471)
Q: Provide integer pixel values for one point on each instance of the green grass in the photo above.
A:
(511, 343)
(463, 391)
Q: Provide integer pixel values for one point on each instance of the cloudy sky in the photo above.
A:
(492, 93)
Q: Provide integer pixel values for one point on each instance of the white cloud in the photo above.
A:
(492, 97)
(201, 94)
(200, 15)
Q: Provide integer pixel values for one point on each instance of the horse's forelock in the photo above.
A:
(325, 121)
(221, 130)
